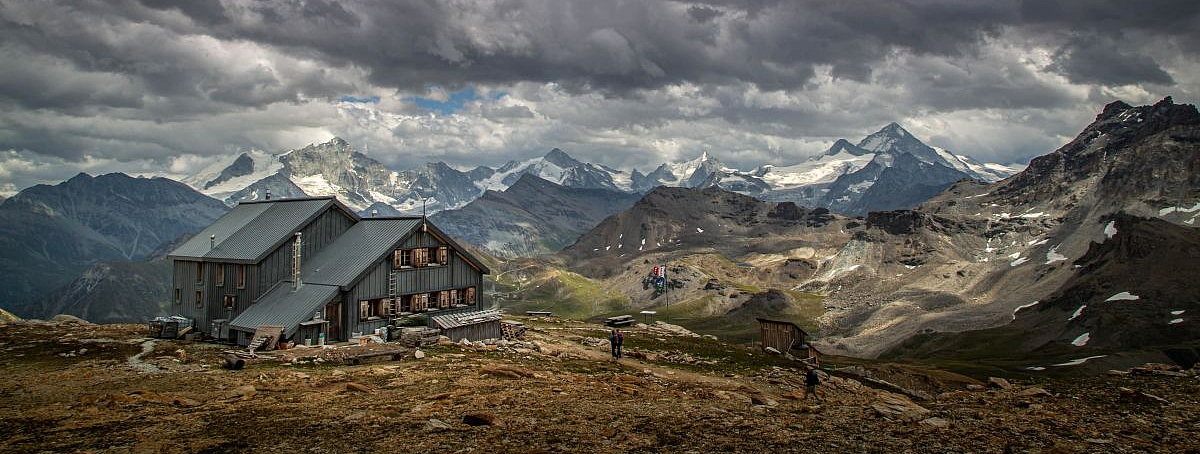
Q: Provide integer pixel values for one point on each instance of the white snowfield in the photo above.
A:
(1179, 312)
(1082, 339)
(1077, 312)
(1076, 362)
(1053, 256)
(1023, 306)
(1110, 230)
(1123, 296)
(822, 169)
(1175, 321)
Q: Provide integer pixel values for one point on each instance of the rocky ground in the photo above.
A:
(75, 387)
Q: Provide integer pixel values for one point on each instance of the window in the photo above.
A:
(241, 276)
(420, 302)
(389, 306)
(230, 301)
(443, 255)
(199, 299)
(443, 299)
(456, 297)
(372, 309)
(470, 295)
(420, 257)
(178, 296)
(199, 272)
(402, 259)
(220, 275)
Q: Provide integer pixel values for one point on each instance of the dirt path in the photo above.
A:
(136, 362)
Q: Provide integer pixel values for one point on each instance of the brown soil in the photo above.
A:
(563, 397)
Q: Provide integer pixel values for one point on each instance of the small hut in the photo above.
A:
(780, 335)
(472, 326)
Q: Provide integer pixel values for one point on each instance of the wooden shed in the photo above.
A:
(472, 326)
(781, 335)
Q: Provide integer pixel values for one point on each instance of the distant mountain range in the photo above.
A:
(1080, 263)
(53, 233)
(841, 179)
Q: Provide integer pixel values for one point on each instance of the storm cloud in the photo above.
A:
(168, 84)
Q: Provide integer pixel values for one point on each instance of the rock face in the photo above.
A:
(533, 216)
(52, 233)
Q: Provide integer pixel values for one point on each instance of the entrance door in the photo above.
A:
(333, 314)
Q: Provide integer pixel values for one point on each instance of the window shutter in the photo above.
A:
(442, 255)
(364, 309)
(470, 295)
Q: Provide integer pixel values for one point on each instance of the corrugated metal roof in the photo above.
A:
(252, 230)
(357, 249)
(283, 307)
(465, 318)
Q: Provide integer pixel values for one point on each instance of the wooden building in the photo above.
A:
(472, 326)
(314, 267)
(781, 335)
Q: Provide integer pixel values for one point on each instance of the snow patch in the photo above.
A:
(1082, 339)
(1019, 261)
(1166, 211)
(1123, 296)
(1023, 306)
(1076, 362)
(1014, 255)
(1077, 313)
(1053, 256)
(699, 230)
(1110, 230)
(1179, 312)
(1175, 321)
(1034, 215)
(1035, 368)
(1038, 242)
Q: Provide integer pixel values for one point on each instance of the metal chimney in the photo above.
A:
(296, 248)
(212, 241)
(374, 213)
(268, 194)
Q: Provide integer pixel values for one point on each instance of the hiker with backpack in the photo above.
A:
(811, 380)
(620, 340)
(612, 343)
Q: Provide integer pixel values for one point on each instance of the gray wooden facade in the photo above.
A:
(457, 274)
(351, 257)
(259, 276)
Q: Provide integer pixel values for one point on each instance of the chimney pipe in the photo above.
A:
(268, 194)
(296, 248)
(212, 241)
(374, 213)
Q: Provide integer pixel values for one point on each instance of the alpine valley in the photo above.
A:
(883, 248)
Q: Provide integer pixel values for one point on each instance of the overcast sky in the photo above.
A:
(166, 86)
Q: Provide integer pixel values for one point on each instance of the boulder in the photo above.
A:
(997, 382)
(896, 406)
(418, 354)
(1035, 392)
(436, 425)
(357, 387)
(935, 422)
(759, 399)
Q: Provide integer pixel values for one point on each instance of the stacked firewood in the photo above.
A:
(419, 337)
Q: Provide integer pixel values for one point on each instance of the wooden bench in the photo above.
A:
(538, 313)
(620, 320)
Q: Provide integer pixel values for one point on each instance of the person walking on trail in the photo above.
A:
(620, 340)
(811, 380)
(612, 343)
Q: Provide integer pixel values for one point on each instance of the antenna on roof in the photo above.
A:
(212, 241)
(268, 194)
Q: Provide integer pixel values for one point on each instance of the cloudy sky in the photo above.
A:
(167, 86)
